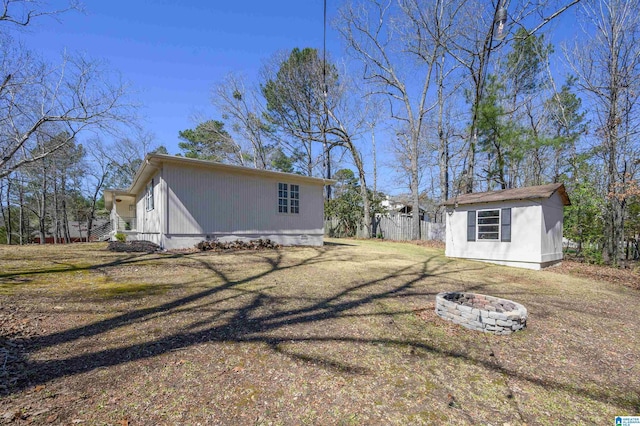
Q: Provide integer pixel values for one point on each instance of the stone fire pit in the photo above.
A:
(483, 313)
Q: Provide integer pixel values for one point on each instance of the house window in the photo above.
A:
(294, 195)
(283, 200)
(288, 198)
(149, 204)
(489, 225)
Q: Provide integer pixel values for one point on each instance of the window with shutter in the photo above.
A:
(489, 225)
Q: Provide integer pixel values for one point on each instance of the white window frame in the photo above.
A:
(294, 198)
(498, 224)
(149, 201)
(283, 198)
(288, 198)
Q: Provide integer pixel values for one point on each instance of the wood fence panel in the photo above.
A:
(391, 228)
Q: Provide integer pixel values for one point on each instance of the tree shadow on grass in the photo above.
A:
(70, 267)
(250, 322)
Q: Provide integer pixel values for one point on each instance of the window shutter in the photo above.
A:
(505, 225)
(471, 225)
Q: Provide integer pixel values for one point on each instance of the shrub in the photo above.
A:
(259, 244)
(121, 237)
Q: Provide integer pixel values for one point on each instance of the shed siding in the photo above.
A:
(524, 247)
(551, 228)
(218, 203)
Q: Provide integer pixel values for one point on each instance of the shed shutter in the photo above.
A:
(471, 225)
(505, 224)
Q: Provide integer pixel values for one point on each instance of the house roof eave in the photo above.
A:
(153, 162)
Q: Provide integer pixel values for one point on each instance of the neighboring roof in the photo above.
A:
(397, 203)
(75, 227)
(526, 193)
(152, 162)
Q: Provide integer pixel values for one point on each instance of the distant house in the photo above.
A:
(397, 206)
(177, 202)
(78, 232)
(515, 227)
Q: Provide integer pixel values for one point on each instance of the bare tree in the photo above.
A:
(314, 103)
(124, 157)
(483, 27)
(23, 12)
(396, 43)
(241, 107)
(348, 118)
(608, 71)
(99, 167)
(293, 89)
(78, 95)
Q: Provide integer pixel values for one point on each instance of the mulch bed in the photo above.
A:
(259, 244)
(133, 247)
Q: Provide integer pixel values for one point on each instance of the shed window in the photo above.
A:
(149, 203)
(489, 225)
(288, 198)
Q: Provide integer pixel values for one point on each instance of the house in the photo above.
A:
(177, 202)
(398, 206)
(77, 232)
(515, 227)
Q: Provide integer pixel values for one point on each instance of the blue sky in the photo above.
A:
(173, 52)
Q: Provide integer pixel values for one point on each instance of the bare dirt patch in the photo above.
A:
(341, 334)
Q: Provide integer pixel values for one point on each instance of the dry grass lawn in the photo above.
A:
(341, 334)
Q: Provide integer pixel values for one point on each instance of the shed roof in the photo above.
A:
(526, 193)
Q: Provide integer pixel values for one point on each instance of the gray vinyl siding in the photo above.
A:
(204, 201)
(150, 222)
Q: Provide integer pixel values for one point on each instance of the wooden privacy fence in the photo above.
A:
(388, 227)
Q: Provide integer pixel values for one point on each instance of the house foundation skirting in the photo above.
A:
(182, 241)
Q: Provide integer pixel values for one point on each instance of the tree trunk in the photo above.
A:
(56, 207)
(613, 210)
(443, 155)
(21, 222)
(65, 218)
(6, 217)
(42, 207)
(415, 195)
(375, 165)
(364, 193)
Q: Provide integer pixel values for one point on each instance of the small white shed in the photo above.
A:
(177, 202)
(519, 227)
